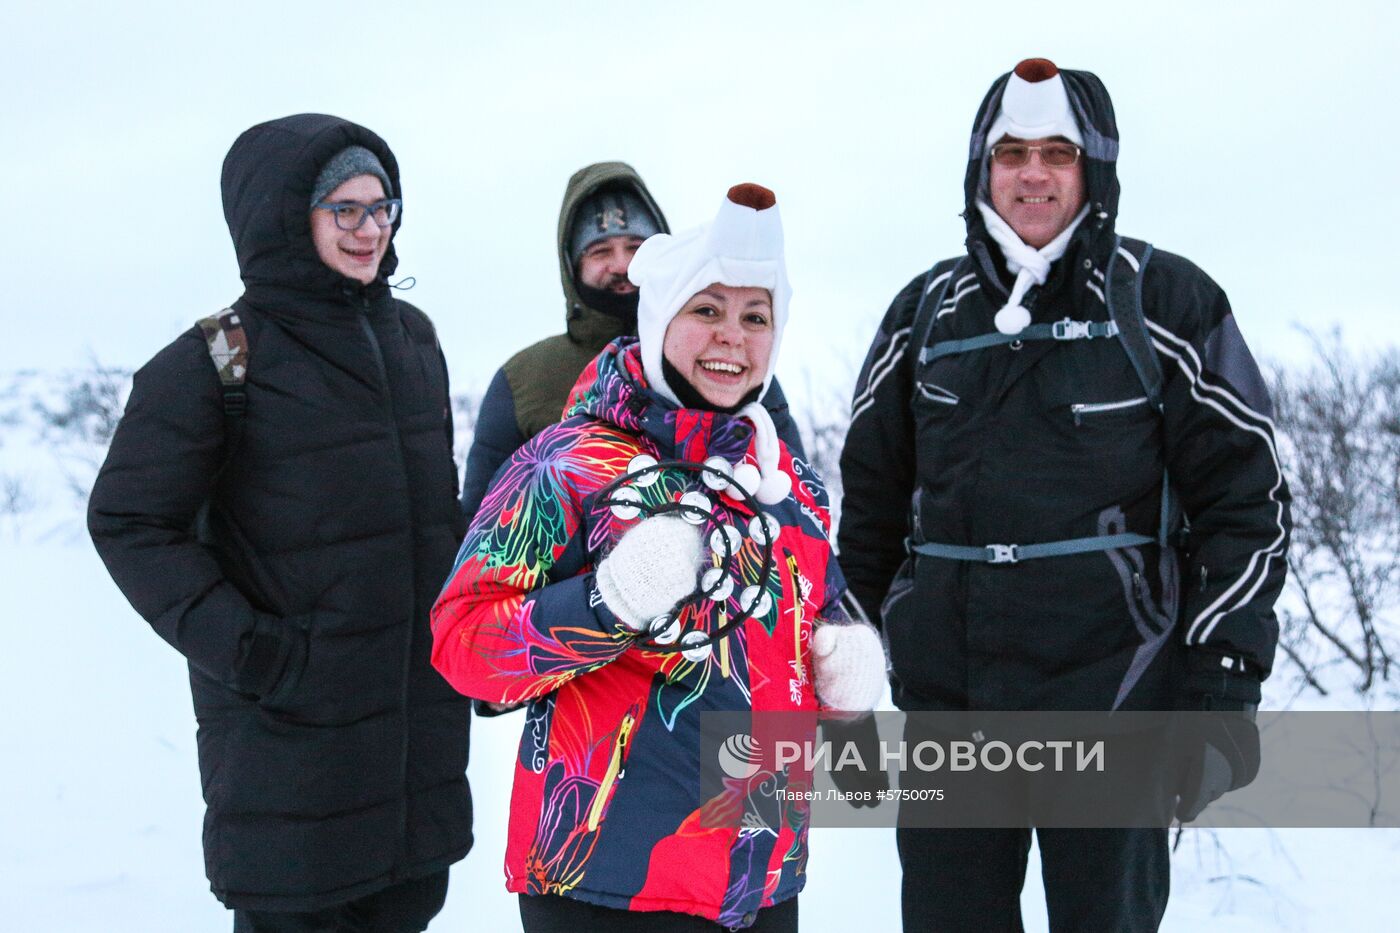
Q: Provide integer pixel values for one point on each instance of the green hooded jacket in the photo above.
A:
(541, 375)
(528, 392)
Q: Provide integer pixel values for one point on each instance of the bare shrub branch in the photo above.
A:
(1340, 435)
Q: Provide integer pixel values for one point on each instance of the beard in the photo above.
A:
(614, 304)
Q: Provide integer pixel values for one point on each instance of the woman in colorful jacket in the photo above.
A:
(576, 590)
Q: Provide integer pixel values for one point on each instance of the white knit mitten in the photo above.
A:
(850, 666)
(652, 568)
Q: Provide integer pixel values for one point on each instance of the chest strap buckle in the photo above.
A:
(1003, 553)
(1082, 330)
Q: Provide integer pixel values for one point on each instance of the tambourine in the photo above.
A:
(664, 633)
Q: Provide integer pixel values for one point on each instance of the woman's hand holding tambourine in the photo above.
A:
(653, 567)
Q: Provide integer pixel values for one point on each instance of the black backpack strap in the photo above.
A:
(1127, 268)
(1123, 293)
(937, 281)
(227, 341)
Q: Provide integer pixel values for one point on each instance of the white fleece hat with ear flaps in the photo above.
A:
(1035, 105)
(742, 248)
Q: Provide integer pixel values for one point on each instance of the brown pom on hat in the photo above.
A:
(755, 196)
(1036, 70)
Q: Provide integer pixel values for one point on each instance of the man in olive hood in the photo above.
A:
(607, 213)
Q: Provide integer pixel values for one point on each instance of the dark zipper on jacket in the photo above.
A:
(1080, 409)
(401, 860)
(374, 345)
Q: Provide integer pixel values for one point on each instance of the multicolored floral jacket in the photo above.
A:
(606, 805)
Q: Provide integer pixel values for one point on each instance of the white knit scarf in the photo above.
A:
(1030, 266)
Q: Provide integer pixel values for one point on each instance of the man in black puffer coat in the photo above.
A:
(290, 548)
(1004, 486)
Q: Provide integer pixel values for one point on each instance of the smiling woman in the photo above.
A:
(576, 591)
(720, 344)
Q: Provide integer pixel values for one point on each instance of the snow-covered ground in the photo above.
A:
(101, 790)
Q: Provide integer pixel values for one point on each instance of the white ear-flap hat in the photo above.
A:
(1035, 105)
(742, 248)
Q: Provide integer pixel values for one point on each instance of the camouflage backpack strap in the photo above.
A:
(228, 348)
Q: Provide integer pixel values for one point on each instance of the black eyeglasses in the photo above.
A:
(1015, 155)
(350, 215)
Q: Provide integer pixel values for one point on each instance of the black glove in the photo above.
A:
(865, 787)
(1222, 755)
(1220, 743)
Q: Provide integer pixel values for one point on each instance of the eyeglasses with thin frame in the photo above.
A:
(1055, 155)
(350, 215)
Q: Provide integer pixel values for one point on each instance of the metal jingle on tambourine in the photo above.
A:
(755, 601)
(664, 630)
(716, 584)
(641, 470)
(717, 473)
(764, 528)
(696, 507)
(699, 646)
(725, 541)
(619, 503)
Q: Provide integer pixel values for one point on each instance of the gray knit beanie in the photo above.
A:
(345, 165)
(607, 214)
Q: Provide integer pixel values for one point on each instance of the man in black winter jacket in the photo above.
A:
(284, 519)
(999, 410)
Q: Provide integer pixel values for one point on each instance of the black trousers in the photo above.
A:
(548, 913)
(403, 908)
(1095, 879)
(964, 857)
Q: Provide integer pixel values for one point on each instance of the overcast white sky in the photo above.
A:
(1259, 139)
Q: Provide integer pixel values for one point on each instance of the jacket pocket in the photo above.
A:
(937, 394)
(1094, 412)
(921, 632)
(617, 763)
(237, 557)
(935, 408)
